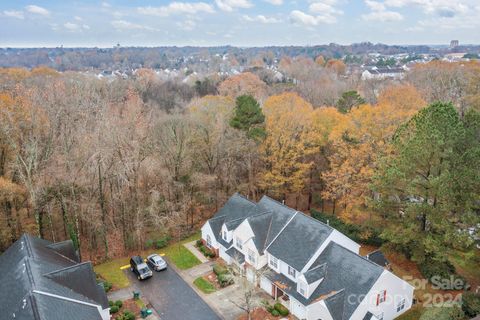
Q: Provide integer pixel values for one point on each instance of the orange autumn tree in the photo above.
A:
(288, 143)
(243, 84)
(359, 139)
(337, 66)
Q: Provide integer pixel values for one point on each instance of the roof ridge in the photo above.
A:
(56, 252)
(268, 232)
(320, 265)
(283, 228)
(280, 203)
(241, 195)
(66, 268)
(318, 221)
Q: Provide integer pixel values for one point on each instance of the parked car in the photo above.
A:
(156, 262)
(140, 268)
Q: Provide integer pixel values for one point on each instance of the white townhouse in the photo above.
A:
(311, 268)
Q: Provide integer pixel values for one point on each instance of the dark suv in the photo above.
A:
(140, 268)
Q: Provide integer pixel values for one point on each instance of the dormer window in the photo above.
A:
(251, 256)
(273, 262)
(292, 272)
(224, 235)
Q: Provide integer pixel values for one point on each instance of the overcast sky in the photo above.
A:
(236, 22)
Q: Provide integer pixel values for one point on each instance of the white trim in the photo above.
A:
(68, 299)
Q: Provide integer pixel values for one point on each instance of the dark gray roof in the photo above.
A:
(299, 240)
(224, 243)
(316, 273)
(346, 270)
(378, 257)
(335, 304)
(260, 226)
(368, 316)
(32, 264)
(235, 254)
(235, 210)
(281, 215)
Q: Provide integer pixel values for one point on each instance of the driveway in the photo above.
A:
(172, 297)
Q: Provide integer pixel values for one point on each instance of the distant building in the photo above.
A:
(383, 73)
(46, 281)
(453, 44)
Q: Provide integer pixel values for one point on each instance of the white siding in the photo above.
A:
(228, 232)
(266, 285)
(224, 255)
(396, 288)
(318, 310)
(244, 233)
(207, 230)
(298, 309)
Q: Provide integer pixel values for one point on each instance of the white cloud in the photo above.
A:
(74, 27)
(77, 18)
(106, 4)
(230, 5)
(122, 25)
(383, 16)
(187, 25)
(37, 10)
(177, 8)
(275, 2)
(443, 8)
(380, 13)
(261, 18)
(302, 18)
(14, 14)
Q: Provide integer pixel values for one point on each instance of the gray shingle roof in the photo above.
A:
(316, 273)
(335, 304)
(299, 240)
(235, 210)
(378, 257)
(260, 226)
(34, 264)
(235, 254)
(281, 215)
(346, 270)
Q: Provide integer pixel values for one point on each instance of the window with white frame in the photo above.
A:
(209, 241)
(302, 288)
(273, 262)
(239, 244)
(401, 305)
(292, 272)
(251, 255)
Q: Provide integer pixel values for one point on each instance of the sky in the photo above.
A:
(244, 23)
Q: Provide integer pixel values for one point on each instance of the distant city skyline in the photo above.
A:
(242, 23)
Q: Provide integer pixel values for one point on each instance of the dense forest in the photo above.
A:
(175, 57)
(113, 163)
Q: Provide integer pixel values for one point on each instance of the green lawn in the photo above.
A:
(413, 314)
(176, 253)
(204, 285)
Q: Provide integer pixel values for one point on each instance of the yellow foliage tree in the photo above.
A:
(290, 140)
(243, 84)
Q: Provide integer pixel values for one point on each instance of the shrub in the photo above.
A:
(114, 309)
(211, 254)
(199, 243)
(282, 310)
(127, 315)
(149, 244)
(110, 303)
(275, 313)
(162, 242)
(107, 286)
(224, 280)
(440, 269)
(471, 304)
(119, 303)
(267, 306)
(443, 313)
(219, 269)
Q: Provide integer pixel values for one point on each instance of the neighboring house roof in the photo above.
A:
(40, 280)
(299, 240)
(235, 210)
(368, 316)
(378, 257)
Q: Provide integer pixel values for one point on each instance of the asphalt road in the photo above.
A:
(172, 297)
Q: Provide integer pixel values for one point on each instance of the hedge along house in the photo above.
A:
(42, 280)
(310, 267)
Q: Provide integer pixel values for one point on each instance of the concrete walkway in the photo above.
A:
(191, 246)
(121, 294)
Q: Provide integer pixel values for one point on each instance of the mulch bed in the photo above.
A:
(212, 278)
(262, 314)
